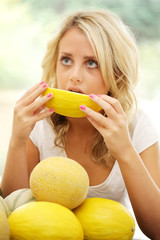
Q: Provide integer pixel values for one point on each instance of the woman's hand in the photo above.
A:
(27, 112)
(114, 127)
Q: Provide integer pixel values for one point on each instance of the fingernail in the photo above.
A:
(91, 95)
(88, 116)
(44, 85)
(51, 110)
(42, 82)
(83, 107)
(99, 95)
(49, 95)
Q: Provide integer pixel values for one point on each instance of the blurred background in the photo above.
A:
(27, 25)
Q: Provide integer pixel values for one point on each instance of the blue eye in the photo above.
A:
(92, 63)
(65, 61)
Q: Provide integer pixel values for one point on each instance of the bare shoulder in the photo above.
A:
(32, 155)
(151, 159)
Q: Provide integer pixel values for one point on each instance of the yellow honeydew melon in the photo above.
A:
(18, 198)
(4, 207)
(60, 180)
(104, 219)
(4, 227)
(68, 103)
(44, 221)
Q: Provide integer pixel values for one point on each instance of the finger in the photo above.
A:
(31, 90)
(39, 103)
(98, 118)
(100, 128)
(39, 109)
(107, 107)
(113, 102)
(42, 115)
(32, 94)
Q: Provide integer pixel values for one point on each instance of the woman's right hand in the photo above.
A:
(27, 112)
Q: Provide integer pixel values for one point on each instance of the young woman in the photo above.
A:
(93, 53)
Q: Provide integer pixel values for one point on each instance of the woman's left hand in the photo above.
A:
(113, 127)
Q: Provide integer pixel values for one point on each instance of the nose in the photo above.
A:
(76, 74)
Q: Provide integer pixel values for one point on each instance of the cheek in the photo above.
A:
(58, 71)
(100, 84)
(60, 76)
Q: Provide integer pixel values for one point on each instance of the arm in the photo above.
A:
(15, 172)
(142, 178)
(26, 113)
(140, 173)
(32, 156)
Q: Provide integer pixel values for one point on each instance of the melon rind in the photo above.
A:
(44, 221)
(4, 227)
(60, 180)
(18, 198)
(105, 219)
(4, 207)
(68, 103)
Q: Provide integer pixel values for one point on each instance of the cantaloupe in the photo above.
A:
(60, 180)
(104, 219)
(67, 103)
(44, 221)
(4, 227)
(18, 198)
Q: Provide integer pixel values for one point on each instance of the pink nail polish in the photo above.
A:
(49, 95)
(42, 82)
(51, 110)
(91, 95)
(83, 107)
(44, 85)
(99, 95)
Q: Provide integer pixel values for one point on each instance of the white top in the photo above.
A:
(143, 135)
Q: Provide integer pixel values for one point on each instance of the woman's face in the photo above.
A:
(77, 67)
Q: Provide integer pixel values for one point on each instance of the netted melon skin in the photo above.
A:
(60, 180)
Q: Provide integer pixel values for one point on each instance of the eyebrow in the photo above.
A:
(70, 55)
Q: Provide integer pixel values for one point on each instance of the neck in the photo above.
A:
(81, 126)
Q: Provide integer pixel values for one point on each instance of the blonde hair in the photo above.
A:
(116, 51)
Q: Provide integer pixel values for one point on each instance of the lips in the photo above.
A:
(75, 89)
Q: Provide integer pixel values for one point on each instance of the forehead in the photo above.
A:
(75, 39)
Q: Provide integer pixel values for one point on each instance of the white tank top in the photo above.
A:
(143, 135)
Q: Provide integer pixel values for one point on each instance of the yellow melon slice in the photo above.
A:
(44, 221)
(68, 103)
(60, 180)
(104, 219)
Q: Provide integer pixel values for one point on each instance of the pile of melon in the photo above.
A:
(55, 207)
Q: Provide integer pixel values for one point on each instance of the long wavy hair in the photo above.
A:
(116, 51)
